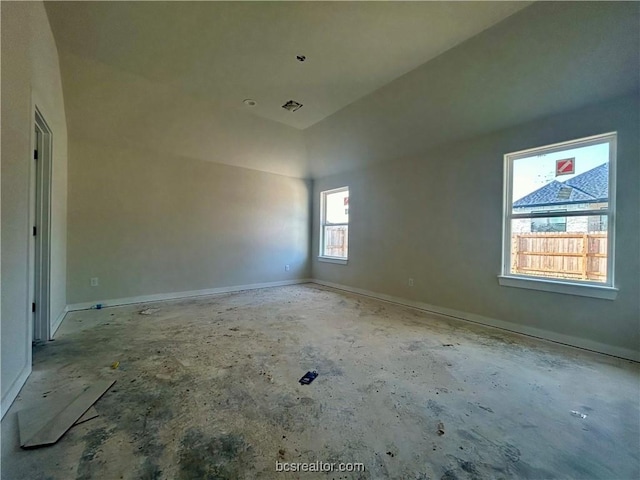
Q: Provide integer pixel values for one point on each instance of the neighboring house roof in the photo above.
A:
(588, 187)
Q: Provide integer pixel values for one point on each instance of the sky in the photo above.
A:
(531, 173)
(337, 210)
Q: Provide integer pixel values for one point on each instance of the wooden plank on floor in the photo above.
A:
(56, 427)
(88, 415)
(31, 420)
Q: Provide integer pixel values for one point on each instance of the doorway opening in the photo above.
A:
(40, 254)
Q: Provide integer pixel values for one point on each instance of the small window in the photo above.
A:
(598, 223)
(334, 226)
(552, 224)
(559, 209)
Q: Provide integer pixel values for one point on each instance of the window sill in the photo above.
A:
(557, 286)
(340, 261)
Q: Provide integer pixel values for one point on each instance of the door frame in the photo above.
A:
(40, 212)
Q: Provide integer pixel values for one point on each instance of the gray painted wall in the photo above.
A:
(436, 217)
(30, 77)
(145, 223)
(137, 112)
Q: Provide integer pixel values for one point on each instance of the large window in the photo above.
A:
(334, 226)
(559, 217)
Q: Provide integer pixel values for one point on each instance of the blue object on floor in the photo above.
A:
(308, 378)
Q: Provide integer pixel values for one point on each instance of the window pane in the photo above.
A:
(554, 224)
(574, 253)
(571, 179)
(336, 241)
(598, 223)
(337, 207)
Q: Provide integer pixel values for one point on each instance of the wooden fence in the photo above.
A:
(336, 241)
(579, 256)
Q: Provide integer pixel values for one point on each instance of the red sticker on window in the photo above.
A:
(566, 166)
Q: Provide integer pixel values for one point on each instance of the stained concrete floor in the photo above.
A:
(208, 388)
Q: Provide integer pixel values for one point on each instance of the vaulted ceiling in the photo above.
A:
(379, 80)
(227, 52)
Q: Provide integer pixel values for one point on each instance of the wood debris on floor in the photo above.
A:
(47, 423)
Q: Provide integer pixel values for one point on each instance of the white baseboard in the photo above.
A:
(56, 323)
(177, 295)
(449, 313)
(14, 389)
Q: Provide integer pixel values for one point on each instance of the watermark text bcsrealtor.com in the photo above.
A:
(319, 466)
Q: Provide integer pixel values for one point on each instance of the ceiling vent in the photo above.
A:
(292, 106)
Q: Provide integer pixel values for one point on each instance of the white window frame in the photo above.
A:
(324, 223)
(558, 285)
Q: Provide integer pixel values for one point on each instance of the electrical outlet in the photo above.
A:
(411, 282)
(94, 281)
(286, 268)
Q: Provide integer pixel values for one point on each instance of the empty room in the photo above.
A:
(320, 240)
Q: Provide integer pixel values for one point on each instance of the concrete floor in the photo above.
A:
(208, 388)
